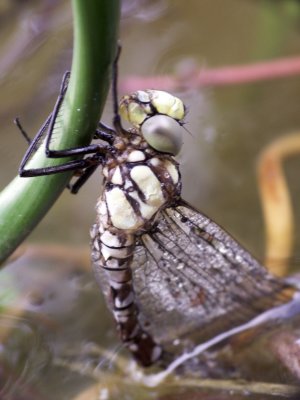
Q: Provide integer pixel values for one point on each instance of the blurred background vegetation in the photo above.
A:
(229, 125)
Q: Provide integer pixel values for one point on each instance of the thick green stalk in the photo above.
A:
(25, 201)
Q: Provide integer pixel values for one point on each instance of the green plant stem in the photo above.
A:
(25, 201)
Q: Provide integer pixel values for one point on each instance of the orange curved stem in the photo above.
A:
(276, 202)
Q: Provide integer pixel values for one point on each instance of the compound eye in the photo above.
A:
(163, 133)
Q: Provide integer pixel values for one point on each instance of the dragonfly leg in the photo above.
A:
(46, 131)
(105, 133)
(87, 165)
(92, 148)
(86, 174)
(22, 130)
(74, 165)
(116, 119)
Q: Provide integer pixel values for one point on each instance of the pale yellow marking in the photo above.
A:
(105, 172)
(112, 240)
(108, 252)
(117, 178)
(136, 140)
(136, 113)
(124, 302)
(117, 278)
(142, 96)
(113, 263)
(155, 161)
(101, 228)
(128, 184)
(109, 239)
(102, 211)
(130, 239)
(148, 184)
(165, 103)
(146, 210)
(121, 315)
(115, 285)
(172, 170)
(123, 110)
(121, 213)
(135, 156)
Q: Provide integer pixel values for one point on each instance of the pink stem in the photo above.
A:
(222, 76)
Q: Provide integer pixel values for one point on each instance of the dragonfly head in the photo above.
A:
(159, 117)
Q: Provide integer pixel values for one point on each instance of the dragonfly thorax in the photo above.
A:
(139, 182)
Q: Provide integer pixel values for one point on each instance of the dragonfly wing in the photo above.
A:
(190, 275)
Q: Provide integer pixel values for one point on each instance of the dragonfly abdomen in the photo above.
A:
(112, 259)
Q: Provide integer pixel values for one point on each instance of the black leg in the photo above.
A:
(87, 173)
(88, 164)
(93, 148)
(94, 161)
(22, 130)
(105, 133)
(47, 131)
(79, 151)
(68, 166)
(107, 129)
(34, 144)
(116, 119)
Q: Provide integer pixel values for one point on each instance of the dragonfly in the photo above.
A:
(165, 268)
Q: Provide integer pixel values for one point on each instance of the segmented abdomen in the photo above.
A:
(132, 197)
(114, 276)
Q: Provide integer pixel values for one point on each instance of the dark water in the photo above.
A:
(229, 127)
